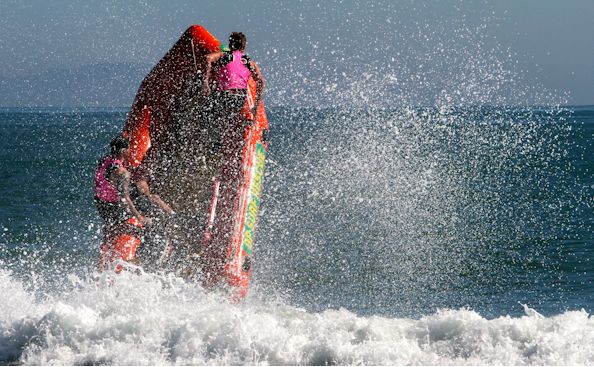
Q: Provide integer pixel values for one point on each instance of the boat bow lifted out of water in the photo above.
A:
(210, 174)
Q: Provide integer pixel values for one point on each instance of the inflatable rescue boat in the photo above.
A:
(210, 174)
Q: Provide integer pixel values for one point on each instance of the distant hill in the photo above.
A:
(102, 84)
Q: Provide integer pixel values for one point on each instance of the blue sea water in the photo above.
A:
(387, 236)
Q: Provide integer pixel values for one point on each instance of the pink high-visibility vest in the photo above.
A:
(235, 74)
(105, 190)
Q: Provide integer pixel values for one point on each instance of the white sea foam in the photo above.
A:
(146, 320)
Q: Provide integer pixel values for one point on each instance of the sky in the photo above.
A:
(331, 52)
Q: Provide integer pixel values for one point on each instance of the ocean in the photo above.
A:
(458, 235)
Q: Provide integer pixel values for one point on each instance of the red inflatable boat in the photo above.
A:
(211, 175)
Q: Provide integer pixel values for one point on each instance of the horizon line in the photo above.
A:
(289, 106)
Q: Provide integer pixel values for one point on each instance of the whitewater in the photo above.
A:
(152, 320)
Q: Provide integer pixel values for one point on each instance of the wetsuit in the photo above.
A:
(141, 202)
(154, 237)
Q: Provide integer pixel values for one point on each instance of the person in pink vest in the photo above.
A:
(235, 69)
(112, 190)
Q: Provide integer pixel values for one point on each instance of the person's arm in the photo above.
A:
(210, 59)
(257, 75)
(123, 178)
(145, 190)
